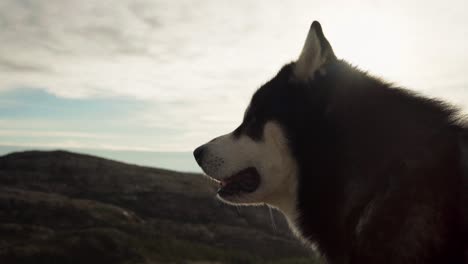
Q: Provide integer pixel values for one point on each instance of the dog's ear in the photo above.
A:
(315, 54)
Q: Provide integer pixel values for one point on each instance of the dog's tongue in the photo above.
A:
(246, 180)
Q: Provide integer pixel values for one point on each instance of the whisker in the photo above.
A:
(273, 224)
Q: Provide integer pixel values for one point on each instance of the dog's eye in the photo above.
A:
(252, 120)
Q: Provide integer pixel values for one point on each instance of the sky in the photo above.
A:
(160, 77)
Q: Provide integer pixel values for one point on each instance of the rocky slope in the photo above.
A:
(62, 207)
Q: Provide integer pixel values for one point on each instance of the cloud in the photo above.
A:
(37, 118)
(7, 65)
(161, 50)
(183, 61)
(54, 134)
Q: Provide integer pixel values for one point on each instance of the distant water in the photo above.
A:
(178, 161)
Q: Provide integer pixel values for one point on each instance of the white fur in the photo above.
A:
(271, 157)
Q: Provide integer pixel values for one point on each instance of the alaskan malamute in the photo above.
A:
(364, 171)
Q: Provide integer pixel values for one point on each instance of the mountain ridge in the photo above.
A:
(63, 196)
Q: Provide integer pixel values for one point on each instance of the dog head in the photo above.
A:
(256, 162)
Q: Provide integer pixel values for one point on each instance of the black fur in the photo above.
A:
(367, 150)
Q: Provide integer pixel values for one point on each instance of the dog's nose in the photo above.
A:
(198, 154)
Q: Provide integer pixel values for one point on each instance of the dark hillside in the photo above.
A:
(62, 207)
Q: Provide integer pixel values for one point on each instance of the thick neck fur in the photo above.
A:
(378, 172)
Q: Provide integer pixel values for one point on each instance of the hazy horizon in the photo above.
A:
(176, 161)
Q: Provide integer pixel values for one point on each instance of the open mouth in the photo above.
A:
(245, 181)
